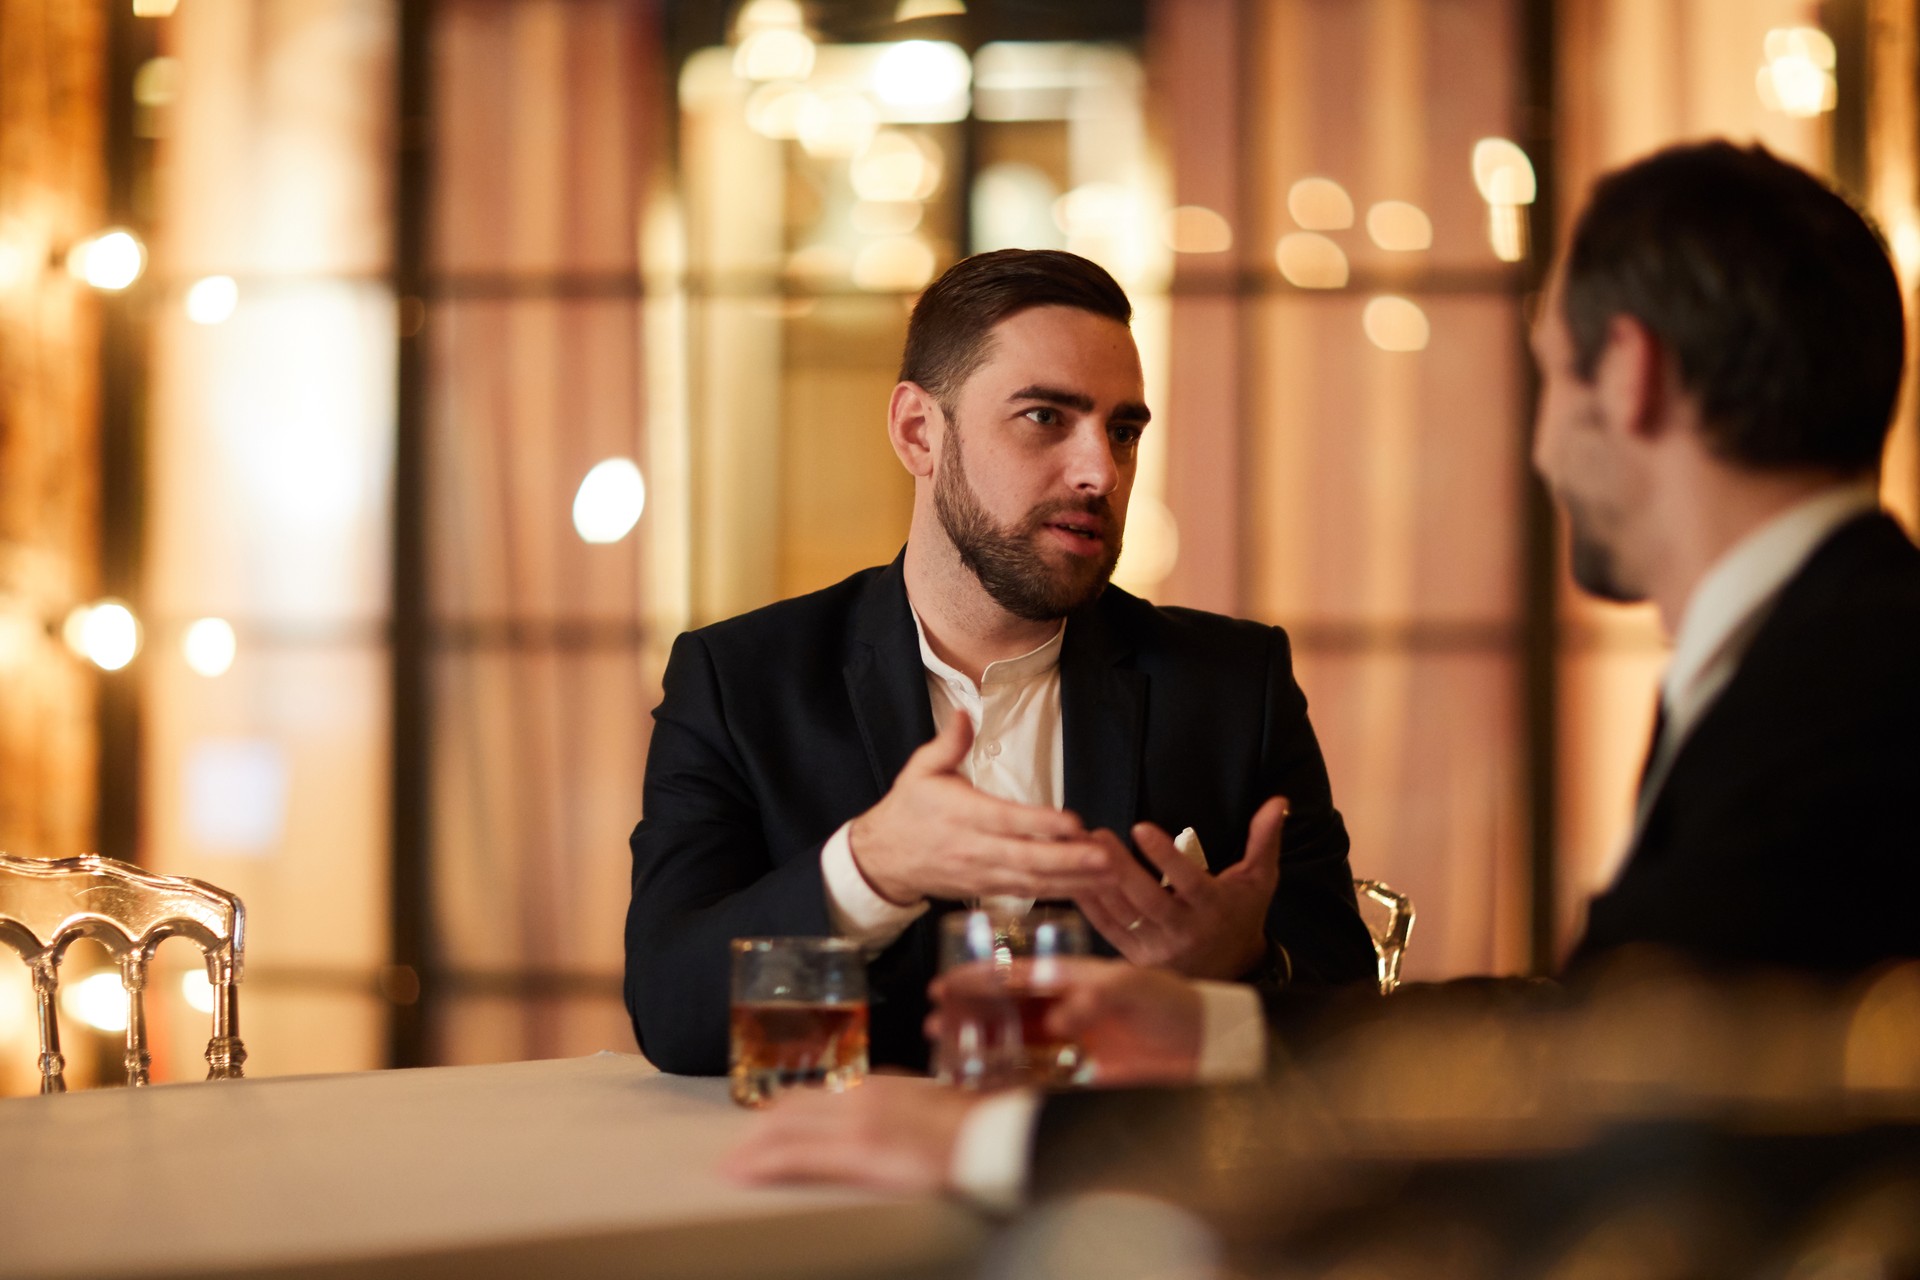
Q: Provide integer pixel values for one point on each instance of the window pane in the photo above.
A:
(529, 394)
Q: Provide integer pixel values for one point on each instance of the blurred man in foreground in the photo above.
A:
(1720, 352)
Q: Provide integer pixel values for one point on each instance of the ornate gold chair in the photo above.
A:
(1391, 927)
(45, 904)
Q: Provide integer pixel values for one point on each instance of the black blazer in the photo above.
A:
(1787, 834)
(781, 724)
(1788, 829)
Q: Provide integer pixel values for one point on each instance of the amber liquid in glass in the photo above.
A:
(993, 1031)
(778, 1044)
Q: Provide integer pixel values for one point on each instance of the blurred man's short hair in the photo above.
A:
(1773, 294)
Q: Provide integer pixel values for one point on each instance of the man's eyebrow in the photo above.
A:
(1128, 411)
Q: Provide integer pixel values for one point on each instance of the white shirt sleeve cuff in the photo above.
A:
(1233, 1033)
(993, 1152)
(856, 910)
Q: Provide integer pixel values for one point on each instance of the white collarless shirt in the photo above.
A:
(1016, 755)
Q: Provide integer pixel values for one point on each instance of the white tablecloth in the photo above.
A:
(588, 1166)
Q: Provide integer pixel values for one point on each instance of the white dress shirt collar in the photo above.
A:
(1728, 605)
(1724, 614)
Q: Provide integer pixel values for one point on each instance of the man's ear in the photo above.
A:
(1632, 378)
(914, 427)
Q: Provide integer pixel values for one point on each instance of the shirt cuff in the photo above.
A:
(992, 1154)
(857, 911)
(1233, 1033)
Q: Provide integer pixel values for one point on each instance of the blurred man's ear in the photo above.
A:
(914, 426)
(1632, 378)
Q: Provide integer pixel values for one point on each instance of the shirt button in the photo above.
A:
(993, 749)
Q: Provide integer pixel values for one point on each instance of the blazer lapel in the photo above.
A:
(1742, 711)
(885, 680)
(1102, 712)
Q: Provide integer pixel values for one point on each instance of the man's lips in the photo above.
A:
(1081, 531)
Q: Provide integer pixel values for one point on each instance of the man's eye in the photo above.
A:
(1127, 433)
(1044, 415)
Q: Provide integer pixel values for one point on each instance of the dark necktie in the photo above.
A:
(1653, 772)
(1653, 749)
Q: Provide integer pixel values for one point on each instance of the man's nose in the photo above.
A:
(1091, 466)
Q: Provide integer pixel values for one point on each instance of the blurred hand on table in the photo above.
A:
(892, 1133)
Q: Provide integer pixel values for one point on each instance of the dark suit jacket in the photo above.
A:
(1787, 832)
(781, 724)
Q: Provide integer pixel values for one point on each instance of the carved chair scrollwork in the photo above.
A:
(45, 904)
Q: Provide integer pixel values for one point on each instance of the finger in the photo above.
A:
(1070, 972)
(892, 1132)
(946, 749)
(1262, 861)
(994, 815)
(932, 1027)
(1037, 868)
(1126, 890)
(1081, 1007)
(1102, 902)
(802, 1116)
(1184, 878)
(1087, 987)
(1019, 884)
(1085, 857)
(1109, 915)
(1141, 891)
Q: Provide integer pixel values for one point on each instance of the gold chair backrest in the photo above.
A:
(1391, 928)
(45, 904)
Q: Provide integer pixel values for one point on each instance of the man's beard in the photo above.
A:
(1595, 563)
(1008, 563)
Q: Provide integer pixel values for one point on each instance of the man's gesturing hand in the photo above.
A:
(891, 1133)
(933, 836)
(1201, 925)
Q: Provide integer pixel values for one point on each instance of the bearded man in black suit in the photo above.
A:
(796, 783)
(1720, 352)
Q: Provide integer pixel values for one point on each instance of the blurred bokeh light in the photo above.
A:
(98, 1000)
(610, 501)
(212, 299)
(109, 261)
(1311, 261)
(105, 633)
(210, 645)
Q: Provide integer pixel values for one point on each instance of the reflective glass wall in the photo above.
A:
(268, 461)
(544, 129)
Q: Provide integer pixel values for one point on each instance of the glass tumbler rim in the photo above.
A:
(813, 942)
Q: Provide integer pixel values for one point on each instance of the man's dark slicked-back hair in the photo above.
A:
(951, 328)
(1773, 294)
